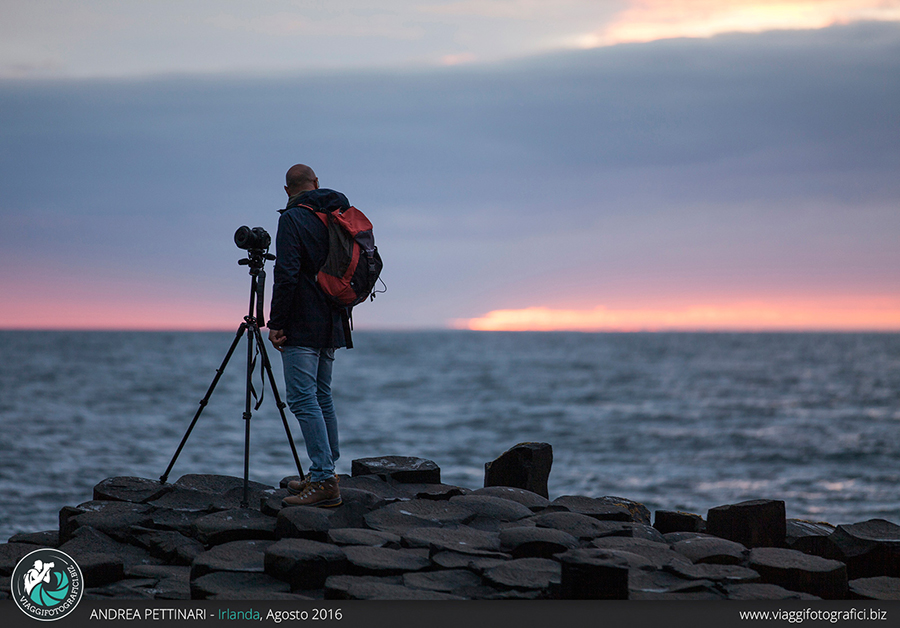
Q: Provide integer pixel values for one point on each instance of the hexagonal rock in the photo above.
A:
(381, 561)
(711, 550)
(593, 574)
(132, 588)
(236, 585)
(112, 518)
(304, 522)
(400, 469)
(445, 580)
(755, 523)
(877, 588)
(870, 548)
(473, 562)
(304, 564)
(238, 524)
(88, 540)
(463, 540)
(350, 514)
(373, 588)
(172, 547)
(578, 525)
(800, 572)
(488, 507)
(757, 591)
(246, 556)
(664, 585)
(674, 537)
(358, 536)
(603, 508)
(47, 538)
(526, 466)
(676, 521)
(190, 500)
(223, 491)
(130, 489)
(635, 531)
(172, 583)
(434, 491)
(100, 569)
(524, 573)
(175, 520)
(400, 516)
(356, 504)
(217, 483)
(529, 499)
(730, 574)
(807, 536)
(271, 505)
(374, 484)
(700, 595)
(534, 542)
(11, 554)
(338, 587)
(660, 554)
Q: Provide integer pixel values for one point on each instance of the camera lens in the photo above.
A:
(248, 239)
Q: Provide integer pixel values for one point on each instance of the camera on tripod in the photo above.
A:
(255, 239)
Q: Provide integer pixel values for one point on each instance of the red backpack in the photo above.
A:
(353, 264)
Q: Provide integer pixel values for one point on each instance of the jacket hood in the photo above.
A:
(322, 199)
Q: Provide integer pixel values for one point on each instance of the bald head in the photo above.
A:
(300, 178)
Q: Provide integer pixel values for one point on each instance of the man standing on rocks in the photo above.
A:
(306, 329)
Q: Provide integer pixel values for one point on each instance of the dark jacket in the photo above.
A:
(301, 245)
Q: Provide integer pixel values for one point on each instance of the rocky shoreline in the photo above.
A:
(401, 534)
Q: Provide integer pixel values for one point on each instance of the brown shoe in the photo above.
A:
(325, 494)
(295, 487)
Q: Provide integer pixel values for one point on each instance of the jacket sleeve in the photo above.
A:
(288, 262)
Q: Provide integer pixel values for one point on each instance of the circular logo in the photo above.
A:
(47, 584)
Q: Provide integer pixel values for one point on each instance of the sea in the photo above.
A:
(676, 421)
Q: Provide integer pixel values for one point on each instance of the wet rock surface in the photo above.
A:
(675, 521)
(878, 588)
(807, 536)
(756, 523)
(401, 534)
(402, 469)
(869, 549)
(797, 571)
(525, 466)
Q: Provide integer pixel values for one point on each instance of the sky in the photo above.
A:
(583, 165)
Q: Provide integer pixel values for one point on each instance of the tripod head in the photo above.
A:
(256, 259)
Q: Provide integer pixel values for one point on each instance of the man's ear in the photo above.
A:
(286, 190)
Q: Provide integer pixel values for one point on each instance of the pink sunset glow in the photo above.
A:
(877, 315)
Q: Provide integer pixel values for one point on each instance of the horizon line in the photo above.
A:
(698, 330)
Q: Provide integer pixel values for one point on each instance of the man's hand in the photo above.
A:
(277, 338)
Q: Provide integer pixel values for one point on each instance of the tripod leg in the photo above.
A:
(205, 400)
(281, 405)
(245, 501)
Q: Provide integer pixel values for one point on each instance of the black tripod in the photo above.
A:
(256, 259)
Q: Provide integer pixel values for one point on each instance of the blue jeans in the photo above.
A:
(307, 378)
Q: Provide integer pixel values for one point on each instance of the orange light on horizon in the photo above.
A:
(735, 317)
(650, 20)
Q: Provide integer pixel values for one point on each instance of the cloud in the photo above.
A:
(649, 20)
(629, 176)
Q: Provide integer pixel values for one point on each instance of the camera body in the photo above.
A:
(255, 239)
